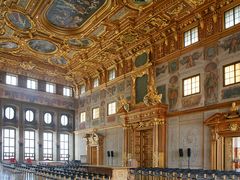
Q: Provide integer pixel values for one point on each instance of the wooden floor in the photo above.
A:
(6, 174)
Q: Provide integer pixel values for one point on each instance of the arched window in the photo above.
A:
(9, 113)
(29, 115)
(64, 120)
(47, 118)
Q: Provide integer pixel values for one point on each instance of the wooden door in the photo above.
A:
(146, 148)
(93, 159)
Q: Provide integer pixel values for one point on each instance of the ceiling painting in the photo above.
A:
(70, 14)
(19, 21)
(61, 61)
(8, 45)
(42, 46)
(80, 43)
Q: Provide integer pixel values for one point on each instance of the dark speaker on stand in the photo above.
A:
(189, 152)
(189, 155)
(180, 152)
(108, 155)
(112, 155)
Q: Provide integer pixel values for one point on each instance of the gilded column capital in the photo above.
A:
(158, 121)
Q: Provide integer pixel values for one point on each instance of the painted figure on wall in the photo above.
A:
(161, 70)
(210, 52)
(173, 66)
(211, 83)
(231, 44)
(173, 92)
(189, 61)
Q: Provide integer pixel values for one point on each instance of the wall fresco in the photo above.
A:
(173, 92)
(161, 70)
(189, 61)
(230, 44)
(211, 83)
(191, 101)
(210, 52)
(173, 66)
(231, 92)
(36, 98)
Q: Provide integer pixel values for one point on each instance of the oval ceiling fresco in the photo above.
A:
(72, 14)
(8, 45)
(42, 46)
(80, 43)
(19, 20)
(58, 60)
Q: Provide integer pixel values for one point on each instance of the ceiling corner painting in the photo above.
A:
(58, 60)
(8, 45)
(80, 43)
(72, 14)
(19, 21)
(42, 46)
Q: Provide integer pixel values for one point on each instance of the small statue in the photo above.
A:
(123, 103)
(233, 111)
(152, 98)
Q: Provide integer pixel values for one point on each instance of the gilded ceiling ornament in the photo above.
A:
(196, 2)
(139, 4)
(129, 37)
(177, 10)
(27, 66)
(51, 73)
(233, 127)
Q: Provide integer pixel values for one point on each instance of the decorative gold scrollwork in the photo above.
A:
(152, 98)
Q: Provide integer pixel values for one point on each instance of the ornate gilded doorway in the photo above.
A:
(225, 139)
(143, 118)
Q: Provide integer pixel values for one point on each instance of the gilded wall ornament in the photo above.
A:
(152, 98)
(233, 127)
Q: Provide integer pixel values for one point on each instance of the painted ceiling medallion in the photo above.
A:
(8, 45)
(139, 4)
(80, 43)
(42, 46)
(69, 14)
(19, 21)
(58, 60)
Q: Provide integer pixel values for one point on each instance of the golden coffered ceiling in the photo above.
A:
(68, 40)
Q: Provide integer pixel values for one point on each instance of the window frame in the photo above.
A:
(29, 139)
(224, 84)
(115, 108)
(234, 19)
(14, 113)
(32, 80)
(81, 121)
(50, 84)
(96, 79)
(190, 77)
(93, 113)
(26, 115)
(47, 154)
(51, 118)
(4, 142)
(82, 87)
(11, 76)
(190, 30)
(64, 115)
(65, 91)
(64, 149)
(110, 71)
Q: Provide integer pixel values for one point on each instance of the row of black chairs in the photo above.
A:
(182, 174)
(68, 172)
